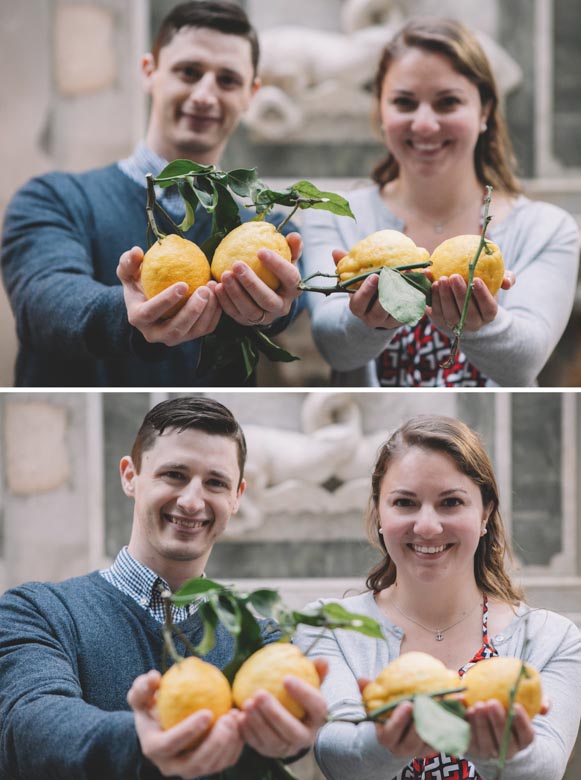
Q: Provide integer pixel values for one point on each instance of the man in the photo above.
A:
(64, 233)
(70, 651)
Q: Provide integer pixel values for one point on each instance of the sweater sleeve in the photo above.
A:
(344, 341)
(512, 350)
(556, 652)
(345, 750)
(47, 731)
(49, 273)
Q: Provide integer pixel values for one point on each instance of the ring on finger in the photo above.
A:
(260, 320)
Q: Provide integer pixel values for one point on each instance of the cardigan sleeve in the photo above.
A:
(47, 731)
(49, 273)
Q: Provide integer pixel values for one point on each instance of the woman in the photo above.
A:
(446, 140)
(442, 588)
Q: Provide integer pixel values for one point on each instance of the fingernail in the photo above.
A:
(203, 293)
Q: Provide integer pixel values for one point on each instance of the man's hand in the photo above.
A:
(270, 728)
(198, 317)
(171, 751)
(248, 300)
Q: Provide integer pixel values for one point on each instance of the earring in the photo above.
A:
(483, 127)
(484, 531)
(380, 531)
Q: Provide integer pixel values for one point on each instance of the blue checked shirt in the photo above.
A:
(144, 160)
(142, 585)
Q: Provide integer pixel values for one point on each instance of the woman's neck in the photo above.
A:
(432, 197)
(433, 605)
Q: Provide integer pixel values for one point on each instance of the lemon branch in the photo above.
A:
(151, 205)
(471, 270)
(345, 285)
(502, 756)
(301, 203)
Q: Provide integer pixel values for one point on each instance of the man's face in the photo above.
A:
(199, 89)
(185, 492)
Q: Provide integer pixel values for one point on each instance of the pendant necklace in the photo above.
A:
(438, 227)
(437, 633)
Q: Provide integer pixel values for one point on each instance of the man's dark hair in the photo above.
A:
(187, 413)
(220, 15)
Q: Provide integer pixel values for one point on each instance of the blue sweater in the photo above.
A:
(63, 236)
(69, 653)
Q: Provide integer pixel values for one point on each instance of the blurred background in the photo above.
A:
(71, 99)
(310, 455)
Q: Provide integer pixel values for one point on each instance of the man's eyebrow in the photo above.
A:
(202, 64)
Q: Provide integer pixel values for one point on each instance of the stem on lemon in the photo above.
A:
(344, 286)
(471, 269)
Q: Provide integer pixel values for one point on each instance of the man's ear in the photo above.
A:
(241, 489)
(128, 473)
(148, 67)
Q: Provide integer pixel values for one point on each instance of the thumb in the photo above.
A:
(129, 264)
(338, 254)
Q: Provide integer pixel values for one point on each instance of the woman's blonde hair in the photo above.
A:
(454, 438)
(493, 156)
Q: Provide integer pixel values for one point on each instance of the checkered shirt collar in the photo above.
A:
(144, 586)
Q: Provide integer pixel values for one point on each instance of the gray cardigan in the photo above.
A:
(539, 242)
(345, 751)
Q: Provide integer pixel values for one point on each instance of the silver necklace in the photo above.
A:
(437, 633)
(439, 226)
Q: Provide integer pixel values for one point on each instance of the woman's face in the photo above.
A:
(431, 516)
(431, 115)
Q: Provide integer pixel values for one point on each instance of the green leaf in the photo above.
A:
(211, 244)
(179, 168)
(190, 202)
(249, 356)
(400, 298)
(227, 214)
(439, 728)
(270, 349)
(333, 616)
(330, 201)
(264, 601)
(228, 611)
(253, 766)
(268, 197)
(421, 282)
(243, 181)
(210, 621)
(193, 589)
(209, 200)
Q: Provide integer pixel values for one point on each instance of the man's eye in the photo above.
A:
(217, 483)
(177, 475)
(189, 73)
(229, 82)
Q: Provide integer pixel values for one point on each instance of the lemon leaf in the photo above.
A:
(439, 728)
(209, 621)
(270, 349)
(227, 611)
(264, 601)
(400, 298)
(181, 168)
(330, 201)
(194, 588)
(190, 202)
(244, 182)
(335, 616)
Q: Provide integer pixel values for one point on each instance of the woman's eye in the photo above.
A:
(452, 501)
(403, 502)
(448, 103)
(405, 104)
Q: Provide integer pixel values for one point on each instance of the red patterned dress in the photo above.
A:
(414, 356)
(441, 766)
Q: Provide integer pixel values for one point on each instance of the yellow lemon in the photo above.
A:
(265, 670)
(189, 686)
(174, 259)
(493, 678)
(410, 673)
(243, 243)
(454, 255)
(383, 248)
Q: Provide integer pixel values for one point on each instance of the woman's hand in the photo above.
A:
(364, 303)
(487, 723)
(448, 295)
